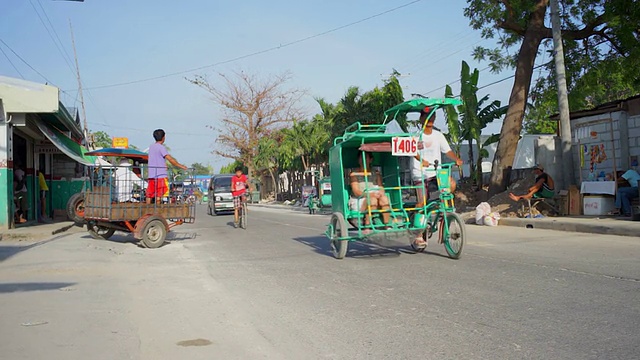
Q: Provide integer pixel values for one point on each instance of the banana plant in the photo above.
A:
(475, 116)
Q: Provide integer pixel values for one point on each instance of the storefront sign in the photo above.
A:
(120, 142)
(47, 149)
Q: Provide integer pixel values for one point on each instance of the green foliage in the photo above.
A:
(454, 135)
(611, 79)
(475, 116)
(231, 168)
(368, 107)
(201, 169)
(102, 139)
(593, 32)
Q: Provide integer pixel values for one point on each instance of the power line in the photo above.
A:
(26, 63)
(11, 62)
(103, 125)
(257, 52)
(418, 58)
(64, 56)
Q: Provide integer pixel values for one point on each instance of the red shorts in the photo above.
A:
(158, 188)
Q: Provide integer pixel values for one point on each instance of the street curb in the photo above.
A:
(302, 209)
(553, 224)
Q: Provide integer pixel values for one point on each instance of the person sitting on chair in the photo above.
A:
(543, 187)
(370, 188)
(627, 190)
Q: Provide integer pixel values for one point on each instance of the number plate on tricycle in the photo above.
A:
(404, 146)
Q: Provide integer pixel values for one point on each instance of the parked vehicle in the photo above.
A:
(219, 194)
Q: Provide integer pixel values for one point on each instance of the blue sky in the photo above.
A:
(119, 41)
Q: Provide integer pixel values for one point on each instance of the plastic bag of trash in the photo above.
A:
(482, 210)
(491, 219)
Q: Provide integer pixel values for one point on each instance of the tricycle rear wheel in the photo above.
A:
(339, 246)
(100, 232)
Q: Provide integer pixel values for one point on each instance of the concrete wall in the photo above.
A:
(548, 153)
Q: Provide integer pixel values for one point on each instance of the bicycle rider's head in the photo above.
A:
(238, 170)
(423, 117)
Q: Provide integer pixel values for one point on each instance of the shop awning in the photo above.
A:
(69, 147)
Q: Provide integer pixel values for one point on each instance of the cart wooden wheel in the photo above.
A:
(75, 209)
(154, 232)
(339, 232)
(100, 232)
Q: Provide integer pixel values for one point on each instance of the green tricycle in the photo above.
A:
(323, 199)
(373, 158)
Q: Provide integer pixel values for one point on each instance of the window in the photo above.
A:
(221, 184)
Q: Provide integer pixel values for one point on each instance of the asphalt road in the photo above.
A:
(275, 292)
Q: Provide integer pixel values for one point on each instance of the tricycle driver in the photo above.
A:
(430, 149)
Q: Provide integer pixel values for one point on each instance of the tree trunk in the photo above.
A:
(512, 124)
(472, 168)
(275, 184)
(479, 165)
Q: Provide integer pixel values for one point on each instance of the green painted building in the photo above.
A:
(38, 133)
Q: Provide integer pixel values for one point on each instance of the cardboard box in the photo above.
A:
(575, 201)
(598, 204)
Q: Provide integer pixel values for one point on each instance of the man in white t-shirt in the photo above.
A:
(432, 146)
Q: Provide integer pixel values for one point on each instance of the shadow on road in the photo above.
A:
(36, 286)
(357, 249)
(7, 251)
(181, 236)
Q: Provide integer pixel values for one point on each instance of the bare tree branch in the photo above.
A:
(251, 107)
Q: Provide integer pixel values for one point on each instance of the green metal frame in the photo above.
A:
(342, 155)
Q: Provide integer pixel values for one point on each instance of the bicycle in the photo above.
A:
(441, 216)
(242, 213)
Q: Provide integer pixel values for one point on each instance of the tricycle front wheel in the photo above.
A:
(339, 245)
(100, 232)
(453, 234)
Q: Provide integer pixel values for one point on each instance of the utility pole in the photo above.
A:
(84, 113)
(563, 100)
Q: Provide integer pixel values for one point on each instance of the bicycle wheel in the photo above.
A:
(339, 245)
(243, 216)
(453, 235)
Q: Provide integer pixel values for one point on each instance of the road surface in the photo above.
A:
(275, 292)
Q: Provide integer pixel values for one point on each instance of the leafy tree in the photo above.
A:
(592, 30)
(612, 79)
(368, 107)
(304, 141)
(269, 155)
(252, 107)
(102, 140)
(201, 169)
(231, 168)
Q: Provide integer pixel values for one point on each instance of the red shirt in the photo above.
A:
(239, 184)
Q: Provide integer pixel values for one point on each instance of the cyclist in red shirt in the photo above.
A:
(239, 185)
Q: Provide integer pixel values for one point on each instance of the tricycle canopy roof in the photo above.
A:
(117, 152)
(418, 104)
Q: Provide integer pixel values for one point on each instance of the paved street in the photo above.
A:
(275, 292)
